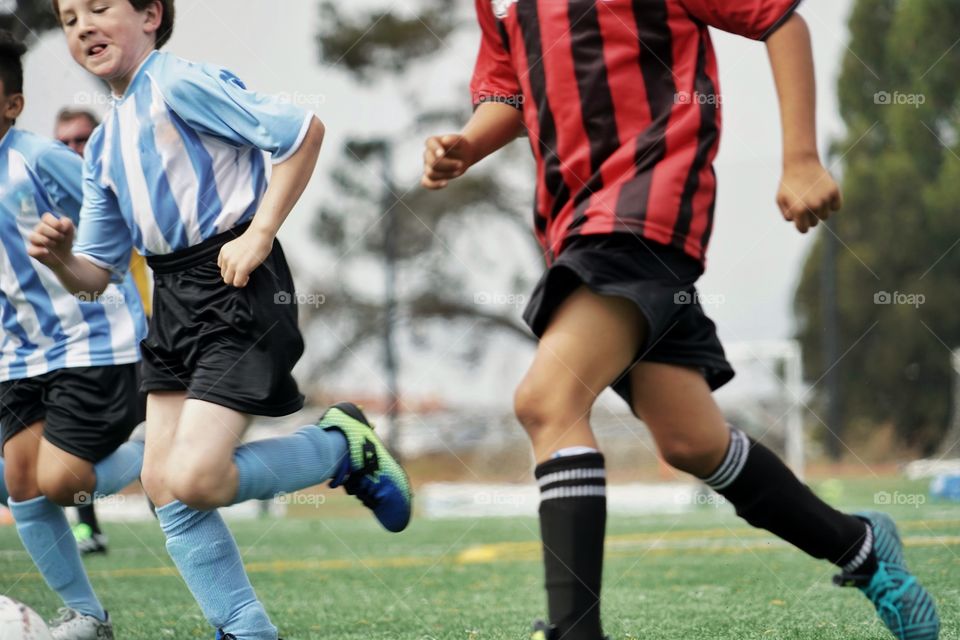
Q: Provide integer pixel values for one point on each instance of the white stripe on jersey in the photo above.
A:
(153, 239)
(27, 318)
(176, 161)
(236, 184)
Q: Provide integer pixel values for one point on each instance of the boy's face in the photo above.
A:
(109, 38)
(11, 106)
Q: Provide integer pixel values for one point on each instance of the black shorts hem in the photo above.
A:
(93, 457)
(651, 277)
(37, 415)
(251, 408)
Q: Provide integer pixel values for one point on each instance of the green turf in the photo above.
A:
(702, 575)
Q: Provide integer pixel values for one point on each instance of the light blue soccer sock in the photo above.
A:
(119, 469)
(46, 534)
(4, 496)
(283, 465)
(207, 556)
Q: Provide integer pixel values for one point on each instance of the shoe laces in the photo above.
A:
(888, 586)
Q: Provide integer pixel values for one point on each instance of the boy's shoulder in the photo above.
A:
(175, 75)
(34, 147)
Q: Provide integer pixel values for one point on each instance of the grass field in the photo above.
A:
(701, 575)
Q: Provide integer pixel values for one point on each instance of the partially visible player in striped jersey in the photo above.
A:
(621, 103)
(73, 128)
(68, 385)
(177, 170)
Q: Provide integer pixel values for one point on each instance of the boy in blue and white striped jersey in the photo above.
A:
(176, 170)
(67, 367)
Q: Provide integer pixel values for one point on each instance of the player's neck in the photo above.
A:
(5, 126)
(121, 83)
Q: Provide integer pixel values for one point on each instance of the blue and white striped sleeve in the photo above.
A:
(61, 173)
(215, 102)
(103, 237)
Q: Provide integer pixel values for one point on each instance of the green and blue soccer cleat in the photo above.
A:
(369, 472)
(902, 603)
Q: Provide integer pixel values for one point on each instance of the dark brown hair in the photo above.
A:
(166, 22)
(11, 68)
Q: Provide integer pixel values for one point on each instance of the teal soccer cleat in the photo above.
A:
(369, 471)
(902, 603)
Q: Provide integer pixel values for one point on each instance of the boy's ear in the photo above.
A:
(153, 16)
(13, 107)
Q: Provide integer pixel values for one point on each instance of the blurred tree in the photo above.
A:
(27, 19)
(370, 220)
(899, 232)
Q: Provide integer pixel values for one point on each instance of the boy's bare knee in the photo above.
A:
(687, 454)
(197, 485)
(63, 488)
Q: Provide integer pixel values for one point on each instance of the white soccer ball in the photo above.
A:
(20, 622)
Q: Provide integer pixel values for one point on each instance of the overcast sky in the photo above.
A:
(755, 257)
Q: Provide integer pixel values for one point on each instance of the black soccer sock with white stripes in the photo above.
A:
(768, 495)
(573, 517)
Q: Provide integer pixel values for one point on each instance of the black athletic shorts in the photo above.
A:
(659, 279)
(87, 411)
(235, 347)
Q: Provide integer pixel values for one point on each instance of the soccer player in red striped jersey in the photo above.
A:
(621, 103)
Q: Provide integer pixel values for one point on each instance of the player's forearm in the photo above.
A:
(79, 276)
(492, 126)
(287, 182)
(791, 57)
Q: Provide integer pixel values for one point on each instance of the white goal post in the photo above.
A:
(767, 397)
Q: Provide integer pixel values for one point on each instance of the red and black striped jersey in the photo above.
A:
(621, 100)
